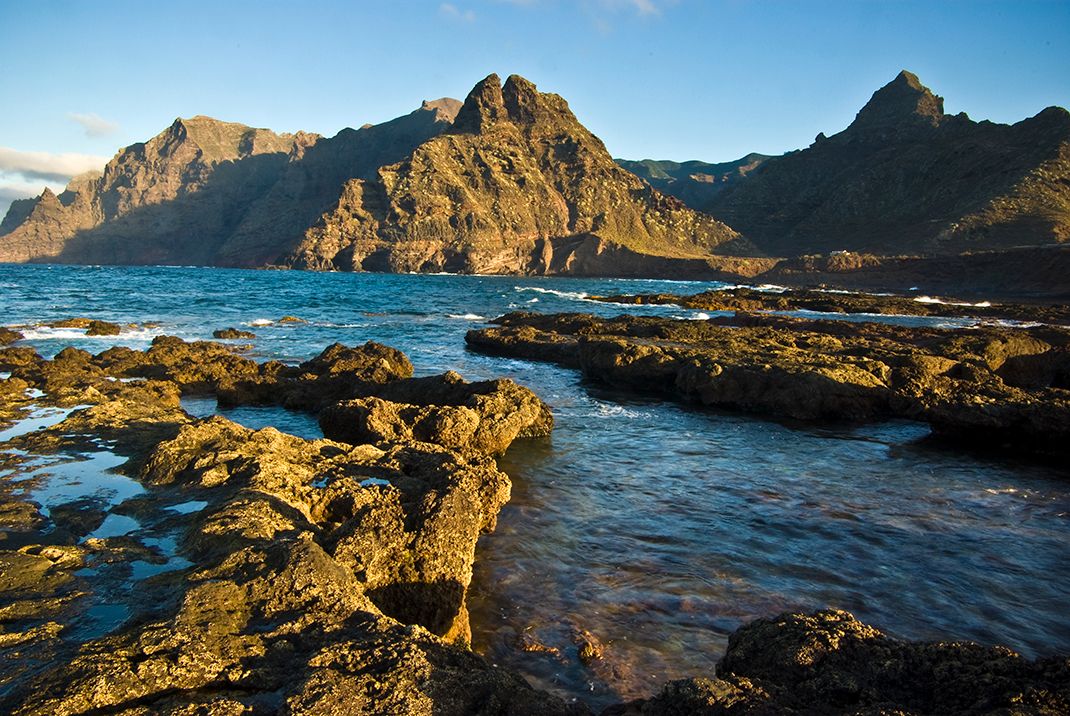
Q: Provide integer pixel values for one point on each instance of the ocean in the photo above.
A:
(654, 527)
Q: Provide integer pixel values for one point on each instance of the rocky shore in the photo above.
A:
(826, 301)
(299, 576)
(989, 387)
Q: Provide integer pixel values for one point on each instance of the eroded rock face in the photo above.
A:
(325, 577)
(829, 662)
(517, 185)
(484, 417)
(991, 387)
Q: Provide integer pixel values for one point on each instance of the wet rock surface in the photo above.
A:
(232, 334)
(221, 569)
(313, 577)
(830, 663)
(485, 417)
(989, 387)
(749, 299)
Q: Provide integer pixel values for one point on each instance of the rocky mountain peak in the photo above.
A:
(518, 101)
(445, 108)
(483, 107)
(904, 101)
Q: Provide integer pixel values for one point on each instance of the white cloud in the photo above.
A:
(93, 124)
(451, 11)
(47, 167)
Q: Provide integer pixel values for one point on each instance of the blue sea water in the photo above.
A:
(655, 527)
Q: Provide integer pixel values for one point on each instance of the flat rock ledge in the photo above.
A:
(987, 387)
(329, 577)
(742, 298)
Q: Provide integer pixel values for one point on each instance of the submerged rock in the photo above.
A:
(993, 387)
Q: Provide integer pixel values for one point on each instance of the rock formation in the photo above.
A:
(905, 178)
(515, 185)
(844, 302)
(830, 663)
(988, 388)
(315, 576)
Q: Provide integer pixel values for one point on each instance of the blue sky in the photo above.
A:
(675, 79)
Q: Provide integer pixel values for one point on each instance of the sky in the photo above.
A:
(663, 79)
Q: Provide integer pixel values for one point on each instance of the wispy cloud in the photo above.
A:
(452, 12)
(45, 166)
(93, 124)
(641, 7)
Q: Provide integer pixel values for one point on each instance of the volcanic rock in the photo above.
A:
(484, 417)
(905, 178)
(232, 334)
(517, 185)
(829, 662)
(989, 387)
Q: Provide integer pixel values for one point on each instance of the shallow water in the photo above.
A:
(654, 527)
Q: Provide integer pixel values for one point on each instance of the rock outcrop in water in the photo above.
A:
(314, 576)
(830, 663)
(989, 387)
(905, 178)
(324, 575)
(824, 301)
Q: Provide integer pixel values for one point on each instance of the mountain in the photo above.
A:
(693, 182)
(168, 200)
(906, 178)
(508, 182)
(515, 185)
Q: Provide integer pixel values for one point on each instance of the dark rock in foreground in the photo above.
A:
(990, 387)
(830, 663)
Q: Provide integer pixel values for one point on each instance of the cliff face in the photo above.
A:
(508, 182)
(905, 177)
(517, 185)
(168, 200)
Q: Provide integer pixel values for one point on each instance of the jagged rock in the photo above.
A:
(169, 200)
(337, 373)
(484, 417)
(93, 326)
(517, 185)
(905, 178)
(232, 334)
(988, 387)
(514, 185)
(829, 662)
(8, 336)
(322, 572)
